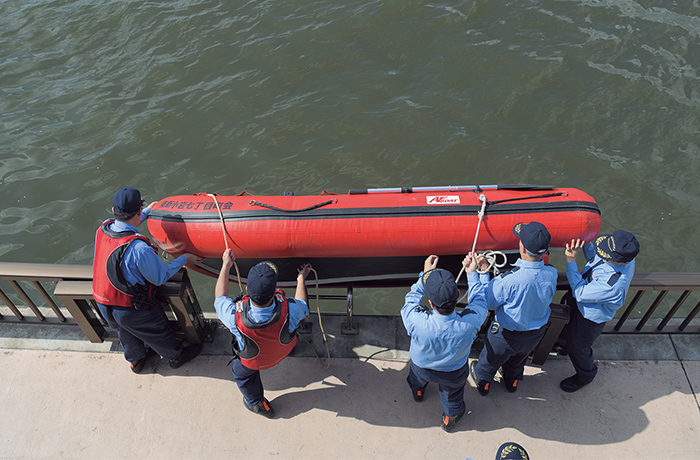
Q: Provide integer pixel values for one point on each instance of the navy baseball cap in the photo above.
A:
(262, 282)
(534, 236)
(511, 451)
(621, 246)
(127, 200)
(440, 287)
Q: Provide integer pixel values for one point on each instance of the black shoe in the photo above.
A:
(511, 385)
(482, 386)
(138, 365)
(188, 353)
(573, 383)
(448, 422)
(263, 408)
(419, 393)
(560, 349)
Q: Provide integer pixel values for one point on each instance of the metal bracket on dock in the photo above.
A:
(349, 327)
(306, 328)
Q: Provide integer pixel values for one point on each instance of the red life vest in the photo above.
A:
(267, 343)
(108, 284)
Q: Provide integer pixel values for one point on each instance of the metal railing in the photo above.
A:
(73, 289)
(636, 317)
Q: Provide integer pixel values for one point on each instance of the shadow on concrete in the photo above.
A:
(612, 409)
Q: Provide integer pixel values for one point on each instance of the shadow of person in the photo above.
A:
(608, 411)
(373, 391)
(376, 392)
(614, 408)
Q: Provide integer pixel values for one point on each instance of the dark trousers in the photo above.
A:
(140, 328)
(507, 349)
(450, 384)
(248, 381)
(578, 337)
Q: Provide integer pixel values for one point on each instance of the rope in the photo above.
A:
(482, 198)
(223, 230)
(323, 332)
(490, 256)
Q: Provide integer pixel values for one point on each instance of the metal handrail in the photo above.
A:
(664, 283)
(82, 303)
(73, 288)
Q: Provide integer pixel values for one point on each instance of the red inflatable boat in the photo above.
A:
(367, 233)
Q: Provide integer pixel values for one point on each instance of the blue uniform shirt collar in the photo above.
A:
(119, 226)
(439, 317)
(527, 264)
(259, 315)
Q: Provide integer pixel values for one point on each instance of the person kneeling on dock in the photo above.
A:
(263, 325)
(441, 338)
(126, 271)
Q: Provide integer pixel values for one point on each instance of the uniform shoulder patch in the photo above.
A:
(613, 279)
(466, 311)
(509, 272)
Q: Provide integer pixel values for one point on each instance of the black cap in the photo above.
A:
(127, 200)
(440, 287)
(262, 281)
(511, 451)
(621, 246)
(534, 237)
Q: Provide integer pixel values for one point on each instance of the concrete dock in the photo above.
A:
(67, 398)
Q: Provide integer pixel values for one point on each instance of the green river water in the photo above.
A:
(179, 97)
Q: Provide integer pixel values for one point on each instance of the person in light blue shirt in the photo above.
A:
(126, 272)
(595, 296)
(141, 264)
(441, 338)
(264, 324)
(520, 298)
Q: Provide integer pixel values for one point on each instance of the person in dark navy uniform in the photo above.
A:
(126, 272)
(263, 324)
(595, 296)
(520, 298)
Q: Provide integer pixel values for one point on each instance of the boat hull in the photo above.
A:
(392, 225)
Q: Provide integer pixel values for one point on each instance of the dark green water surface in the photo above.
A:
(179, 97)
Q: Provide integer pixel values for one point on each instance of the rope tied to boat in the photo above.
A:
(223, 230)
(481, 212)
(490, 256)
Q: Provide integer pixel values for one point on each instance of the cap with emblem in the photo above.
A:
(440, 287)
(534, 236)
(511, 451)
(621, 246)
